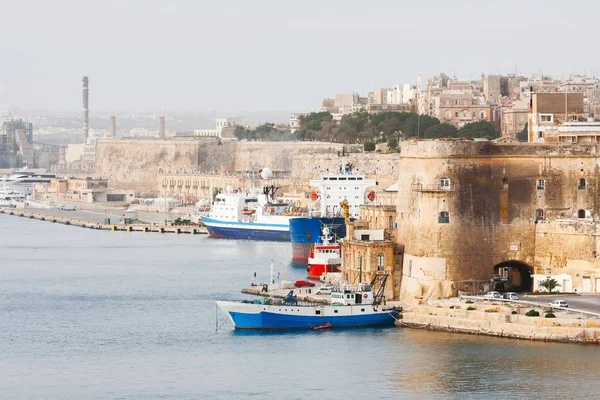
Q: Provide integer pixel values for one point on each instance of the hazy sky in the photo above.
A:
(273, 55)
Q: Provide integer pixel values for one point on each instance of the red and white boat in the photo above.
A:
(324, 256)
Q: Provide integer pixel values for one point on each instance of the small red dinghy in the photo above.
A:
(323, 326)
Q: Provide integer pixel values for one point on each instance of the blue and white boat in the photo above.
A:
(351, 308)
(246, 215)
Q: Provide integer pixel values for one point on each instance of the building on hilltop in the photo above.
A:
(223, 130)
(559, 117)
(513, 116)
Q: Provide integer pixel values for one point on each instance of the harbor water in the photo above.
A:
(88, 314)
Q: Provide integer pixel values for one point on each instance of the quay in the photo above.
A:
(103, 226)
(504, 319)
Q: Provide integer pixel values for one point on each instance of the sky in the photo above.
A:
(195, 55)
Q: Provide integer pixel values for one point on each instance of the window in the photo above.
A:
(581, 214)
(541, 184)
(380, 261)
(581, 185)
(545, 117)
(444, 217)
(409, 267)
(456, 114)
(482, 115)
(504, 183)
(539, 214)
(574, 118)
(445, 183)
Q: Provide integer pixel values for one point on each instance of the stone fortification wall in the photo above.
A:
(135, 164)
(279, 156)
(466, 206)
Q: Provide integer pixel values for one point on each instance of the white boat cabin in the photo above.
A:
(348, 296)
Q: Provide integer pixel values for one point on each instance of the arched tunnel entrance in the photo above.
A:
(513, 276)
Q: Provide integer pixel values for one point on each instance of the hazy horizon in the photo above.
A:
(198, 56)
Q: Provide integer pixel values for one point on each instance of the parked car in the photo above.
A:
(69, 208)
(492, 295)
(558, 303)
(60, 207)
(303, 283)
(510, 296)
(324, 289)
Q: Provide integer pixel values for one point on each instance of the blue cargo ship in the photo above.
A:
(326, 211)
(305, 232)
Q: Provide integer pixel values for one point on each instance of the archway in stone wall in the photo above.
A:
(513, 276)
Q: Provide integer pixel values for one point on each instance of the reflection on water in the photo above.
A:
(98, 314)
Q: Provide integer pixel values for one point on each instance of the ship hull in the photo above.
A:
(258, 316)
(316, 270)
(304, 232)
(247, 230)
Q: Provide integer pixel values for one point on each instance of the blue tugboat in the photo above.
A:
(351, 307)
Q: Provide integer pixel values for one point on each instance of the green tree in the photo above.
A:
(549, 284)
(239, 132)
(440, 130)
(416, 125)
(523, 136)
(369, 146)
(352, 126)
(312, 121)
(392, 143)
(479, 129)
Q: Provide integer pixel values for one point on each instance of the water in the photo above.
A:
(88, 314)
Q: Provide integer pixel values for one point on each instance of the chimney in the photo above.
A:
(86, 110)
(113, 126)
(161, 127)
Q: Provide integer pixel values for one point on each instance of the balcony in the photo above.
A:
(431, 187)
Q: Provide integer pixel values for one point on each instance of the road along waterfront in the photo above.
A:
(98, 314)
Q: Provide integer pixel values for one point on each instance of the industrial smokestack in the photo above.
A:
(161, 127)
(86, 110)
(113, 126)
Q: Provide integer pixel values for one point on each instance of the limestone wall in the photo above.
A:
(135, 164)
(491, 202)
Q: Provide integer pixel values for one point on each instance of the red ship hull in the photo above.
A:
(316, 270)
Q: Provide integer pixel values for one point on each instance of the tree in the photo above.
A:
(392, 143)
(239, 132)
(440, 130)
(549, 284)
(416, 125)
(523, 136)
(479, 129)
(313, 120)
(369, 146)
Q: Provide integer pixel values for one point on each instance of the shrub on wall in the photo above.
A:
(532, 313)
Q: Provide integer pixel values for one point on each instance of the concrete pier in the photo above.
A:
(112, 227)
